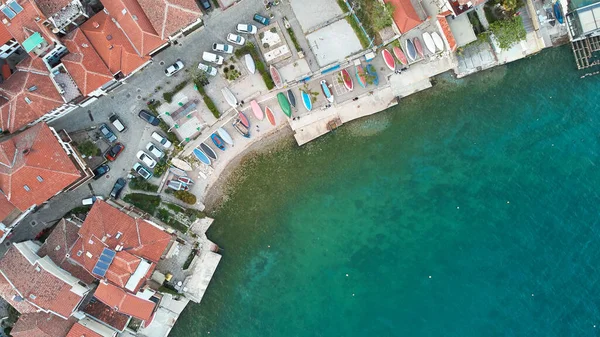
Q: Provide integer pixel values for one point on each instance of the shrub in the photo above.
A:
(211, 106)
(140, 184)
(161, 167)
(343, 6)
(185, 196)
(168, 96)
(166, 217)
(145, 202)
(294, 40)
(508, 32)
(89, 149)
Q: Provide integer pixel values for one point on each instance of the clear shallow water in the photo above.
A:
(488, 185)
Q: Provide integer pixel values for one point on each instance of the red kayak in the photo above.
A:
(270, 115)
(243, 119)
(418, 46)
(388, 59)
(400, 55)
(347, 80)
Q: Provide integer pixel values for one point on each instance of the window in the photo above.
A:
(32, 296)
(40, 179)
(79, 252)
(118, 235)
(27, 100)
(26, 188)
(9, 13)
(15, 7)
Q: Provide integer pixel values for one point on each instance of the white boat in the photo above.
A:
(181, 164)
(231, 100)
(250, 63)
(437, 39)
(225, 136)
(429, 44)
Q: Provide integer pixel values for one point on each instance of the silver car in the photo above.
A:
(246, 28)
(175, 67)
(222, 48)
(236, 39)
(212, 71)
(212, 58)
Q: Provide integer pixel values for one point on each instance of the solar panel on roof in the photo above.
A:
(15, 7)
(104, 262)
(8, 12)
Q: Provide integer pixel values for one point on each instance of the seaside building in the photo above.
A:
(583, 19)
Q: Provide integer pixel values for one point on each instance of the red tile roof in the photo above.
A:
(446, 30)
(37, 285)
(51, 7)
(123, 302)
(405, 16)
(26, 23)
(29, 157)
(41, 325)
(4, 35)
(79, 330)
(84, 64)
(10, 295)
(135, 24)
(169, 16)
(112, 45)
(106, 314)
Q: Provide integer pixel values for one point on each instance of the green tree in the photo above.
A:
(88, 149)
(382, 15)
(508, 32)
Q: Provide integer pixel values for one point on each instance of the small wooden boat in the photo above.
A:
(326, 91)
(218, 141)
(437, 40)
(291, 97)
(306, 100)
(177, 171)
(558, 13)
(373, 73)
(257, 111)
(186, 180)
(177, 185)
(360, 76)
(348, 83)
(418, 46)
(284, 104)
(208, 151)
(429, 44)
(241, 128)
(388, 59)
(181, 164)
(229, 97)
(276, 77)
(244, 119)
(201, 156)
(225, 136)
(411, 52)
(400, 55)
(250, 65)
(270, 115)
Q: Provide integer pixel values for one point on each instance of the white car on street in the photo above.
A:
(154, 150)
(212, 58)
(212, 71)
(91, 200)
(222, 48)
(246, 28)
(173, 68)
(161, 140)
(146, 159)
(236, 39)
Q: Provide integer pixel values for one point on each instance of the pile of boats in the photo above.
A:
(181, 182)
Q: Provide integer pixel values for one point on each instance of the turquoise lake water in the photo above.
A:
(470, 209)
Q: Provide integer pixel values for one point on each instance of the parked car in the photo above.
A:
(100, 171)
(236, 39)
(205, 4)
(174, 68)
(212, 58)
(161, 139)
(117, 188)
(91, 200)
(246, 28)
(114, 152)
(154, 150)
(222, 48)
(107, 133)
(146, 159)
(142, 171)
(149, 117)
(261, 19)
(116, 122)
(212, 71)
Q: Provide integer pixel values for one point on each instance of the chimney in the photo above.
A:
(96, 24)
(84, 45)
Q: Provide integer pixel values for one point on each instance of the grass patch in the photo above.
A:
(364, 41)
(168, 95)
(294, 40)
(168, 218)
(88, 149)
(343, 6)
(141, 184)
(145, 202)
(249, 48)
(207, 100)
(173, 207)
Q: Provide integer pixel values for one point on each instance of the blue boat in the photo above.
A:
(326, 91)
(558, 13)
(306, 100)
(373, 73)
(239, 126)
(218, 141)
(201, 156)
(411, 52)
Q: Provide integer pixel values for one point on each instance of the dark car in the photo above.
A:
(117, 188)
(149, 117)
(100, 171)
(114, 152)
(205, 4)
(261, 19)
(107, 133)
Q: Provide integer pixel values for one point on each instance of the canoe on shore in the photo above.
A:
(388, 59)
(257, 111)
(437, 39)
(400, 55)
(411, 52)
(326, 91)
(284, 104)
(558, 13)
(201, 156)
(276, 77)
(225, 136)
(181, 164)
(218, 141)
(418, 46)
(244, 119)
(177, 185)
(291, 97)
(373, 73)
(360, 76)
(208, 151)
(250, 65)
(229, 97)
(270, 115)
(177, 171)
(241, 128)
(348, 83)
(186, 180)
(306, 100)
(429, 44)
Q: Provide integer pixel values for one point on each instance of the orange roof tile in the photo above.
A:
(10, 295)
(84, 64)
(4, 35)
(112, 45)
(79, 330)
(41, 325)
(169, 16)
(123, 302)
(446, 30)
(405, 16)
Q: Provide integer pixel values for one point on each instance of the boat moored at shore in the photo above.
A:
(225, 136)
(201, 156)
(208, 151)
(284, 104)
(326, 91)
(270, 115)
(241, 128)
(306, 100)
(257, 111)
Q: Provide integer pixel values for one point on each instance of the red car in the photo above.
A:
(114, 152)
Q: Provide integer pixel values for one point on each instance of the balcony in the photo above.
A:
(64, 83)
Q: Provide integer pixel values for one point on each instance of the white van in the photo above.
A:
(213, 58)
(114, 119)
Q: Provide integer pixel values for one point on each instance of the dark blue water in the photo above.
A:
(468, 210)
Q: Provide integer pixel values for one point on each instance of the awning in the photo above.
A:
(33, 41)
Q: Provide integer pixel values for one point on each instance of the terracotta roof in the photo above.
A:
(79, 330)
(20, 106)
(135, 24)
(446, 30)
(51, 7)
(38, 286)
(84, 64)
(34, 167)
(169, 16)
(112, 45)
(42, 325)
(123, 302)
(28, 22)
(4, 35)
(10, 295)
(59, 244)
(106, 314)
(405, 16)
